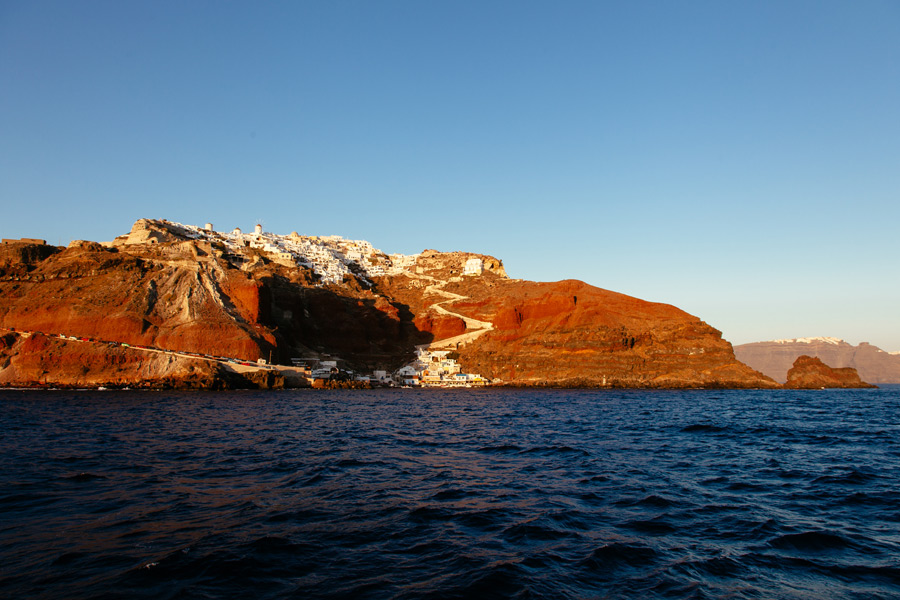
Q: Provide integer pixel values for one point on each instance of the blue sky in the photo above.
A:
(740, 160)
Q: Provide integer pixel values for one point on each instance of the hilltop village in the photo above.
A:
(331, 258)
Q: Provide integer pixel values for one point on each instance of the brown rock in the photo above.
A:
(42, 361)
(163, 301)
(811, 373)
(571, 333)
(440, 326)
(17, 258)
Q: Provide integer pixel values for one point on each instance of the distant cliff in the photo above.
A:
(258, 295)
(774, 358)
(811, 373)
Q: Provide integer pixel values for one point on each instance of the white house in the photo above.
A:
(474, 266)
(407, 371)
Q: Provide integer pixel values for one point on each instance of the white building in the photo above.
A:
(474, 266)
(326, 255)
(407, 371)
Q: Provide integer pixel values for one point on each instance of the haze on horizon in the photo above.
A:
(738, 160)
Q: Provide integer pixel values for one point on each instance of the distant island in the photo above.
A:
(169, 305)
(775, 357)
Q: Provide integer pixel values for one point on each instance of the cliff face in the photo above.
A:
(167, 287)
(811, 373)
(175, 298)
(44, 361)
(571, 333)
(36, 360)
(774, 358)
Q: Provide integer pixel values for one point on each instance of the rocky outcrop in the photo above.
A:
(168, 287)
(440, 326)
(445, 265)
(811, 373)
(774, 358)
(148, 231)
(18, 258)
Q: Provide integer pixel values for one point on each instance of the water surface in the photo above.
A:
(451, 494)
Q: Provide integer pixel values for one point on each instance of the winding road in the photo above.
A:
(474, 327)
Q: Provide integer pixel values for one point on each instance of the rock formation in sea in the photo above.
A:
(166, 286)
(811, 373)
(775, 357)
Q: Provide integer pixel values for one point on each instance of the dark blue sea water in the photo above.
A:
(450, 494)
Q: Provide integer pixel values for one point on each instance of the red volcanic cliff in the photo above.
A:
(36, 360)
(571, 333)
(39, 360)
(177, 300)
(811, 373)
(169, 288)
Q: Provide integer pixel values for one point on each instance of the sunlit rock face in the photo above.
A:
(39, 360)
(249, 296)
(811, 373)
(571, 333)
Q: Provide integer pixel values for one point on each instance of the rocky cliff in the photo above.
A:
(774, 358)
(569, 333)
(811, 373)
(36, 360)
(173, 287)
(39, 360)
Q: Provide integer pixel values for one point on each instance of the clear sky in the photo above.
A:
(740, 160)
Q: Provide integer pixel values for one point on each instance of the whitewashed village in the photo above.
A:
(431, 368)
(332, 258)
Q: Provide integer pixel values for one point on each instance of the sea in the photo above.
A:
(474, 493)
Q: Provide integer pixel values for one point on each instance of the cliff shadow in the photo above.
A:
(366, 330)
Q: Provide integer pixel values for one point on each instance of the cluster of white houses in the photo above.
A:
(430, 369)
(329, 256)
(435, 368)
